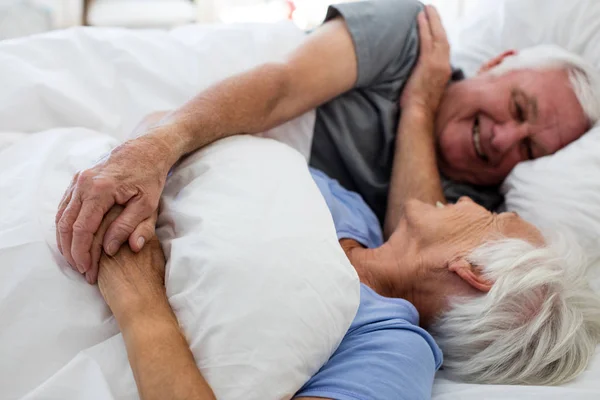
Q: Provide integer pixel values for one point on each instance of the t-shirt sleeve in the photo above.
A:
(352, 217)
(385, 36)
(384, 364)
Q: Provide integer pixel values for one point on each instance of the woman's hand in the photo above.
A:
(132, 283)
(133, 175)
(430, 76)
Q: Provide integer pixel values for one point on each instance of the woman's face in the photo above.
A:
(465, 225)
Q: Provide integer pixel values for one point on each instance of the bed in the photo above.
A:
(69, 96)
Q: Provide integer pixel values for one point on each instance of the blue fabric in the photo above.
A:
(384, 355)
(352, 217)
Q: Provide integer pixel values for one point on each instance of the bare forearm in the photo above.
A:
(320, 69)
(247, 103)
(414, 174)
(162, 363)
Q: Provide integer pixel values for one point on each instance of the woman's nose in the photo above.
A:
(463, 199)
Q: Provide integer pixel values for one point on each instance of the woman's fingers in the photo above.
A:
(436, 27)
(143, 233)
(136, 211)
(424, 33)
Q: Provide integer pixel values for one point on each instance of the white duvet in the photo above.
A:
(260, 286)
(97, 84)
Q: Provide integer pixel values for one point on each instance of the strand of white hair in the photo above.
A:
(584, 78)
(538, 325)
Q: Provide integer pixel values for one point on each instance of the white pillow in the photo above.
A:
(562, 189)
(256, 277)
(490, 27)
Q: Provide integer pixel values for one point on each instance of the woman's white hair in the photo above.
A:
(584, 78)
(538, 325)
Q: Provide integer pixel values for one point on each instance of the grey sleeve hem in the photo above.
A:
(354, 23)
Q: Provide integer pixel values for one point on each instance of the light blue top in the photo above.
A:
(385, 355)
(352, 217)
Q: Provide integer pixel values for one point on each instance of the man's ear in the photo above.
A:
(496, 61)
(470, 274)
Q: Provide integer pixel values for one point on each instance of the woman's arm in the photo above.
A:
(162, 363)
(414, 173)
(133, 287)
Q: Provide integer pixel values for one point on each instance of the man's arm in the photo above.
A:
(134, 173)
(415, 174)
(323, 67)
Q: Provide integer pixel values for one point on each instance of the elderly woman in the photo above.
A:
(501, 302)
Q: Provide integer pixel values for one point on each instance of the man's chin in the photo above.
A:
(459, 175)
(448, 171)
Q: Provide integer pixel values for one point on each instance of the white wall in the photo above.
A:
(65, 13)
(309, 12)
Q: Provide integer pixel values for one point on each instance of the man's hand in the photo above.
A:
(131, 282)
(133, 174)
(430, 77)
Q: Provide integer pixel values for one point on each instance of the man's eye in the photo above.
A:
(528, 148)
(520, 113)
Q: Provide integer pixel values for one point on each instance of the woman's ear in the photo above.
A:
(496, 61)
(470, 274)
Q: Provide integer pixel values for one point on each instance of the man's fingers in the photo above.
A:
(142, 234)
(85, 226)
(91, 276)
(96, 251)
(435, 24)
(65, 227)
(120, 230)
(61, 210)
(64, 201)
(424, 32)
(62, 205)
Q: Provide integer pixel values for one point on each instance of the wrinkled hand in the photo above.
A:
(133, 174)
(131, 280)
(430, 76)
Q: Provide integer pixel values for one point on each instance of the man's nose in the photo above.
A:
(506, 136)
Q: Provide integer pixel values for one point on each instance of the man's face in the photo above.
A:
(488, 124)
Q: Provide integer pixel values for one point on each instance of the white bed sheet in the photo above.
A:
(99, 88)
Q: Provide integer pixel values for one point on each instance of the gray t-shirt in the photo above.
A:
(354, 136)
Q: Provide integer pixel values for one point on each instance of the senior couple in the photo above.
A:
(502, 303)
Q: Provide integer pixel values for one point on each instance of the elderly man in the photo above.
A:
(353, 69)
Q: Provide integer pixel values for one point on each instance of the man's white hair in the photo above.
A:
(584, 77)
(538, 325)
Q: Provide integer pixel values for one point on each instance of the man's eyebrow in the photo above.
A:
(532, 104)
